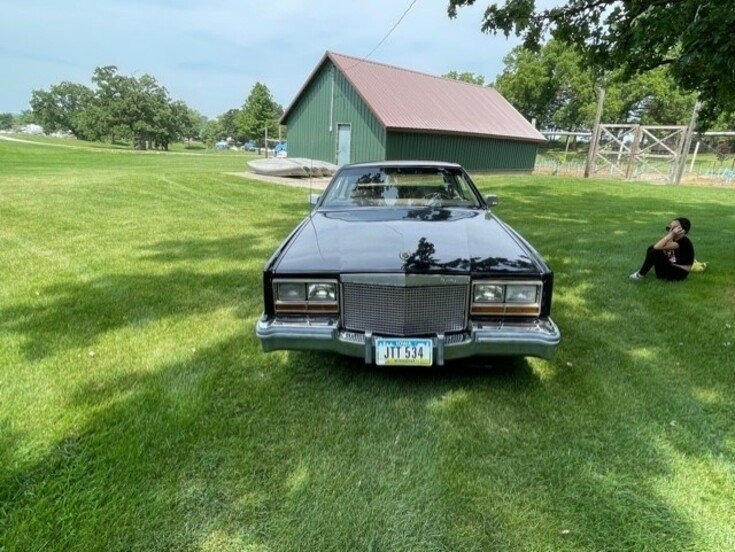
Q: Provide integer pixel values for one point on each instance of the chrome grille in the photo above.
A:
(402, 311)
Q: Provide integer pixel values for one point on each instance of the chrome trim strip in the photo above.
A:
(368, 347)
(538, 339)
(405, 280)
(440, 350)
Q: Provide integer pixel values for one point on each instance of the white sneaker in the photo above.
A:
(636, 276)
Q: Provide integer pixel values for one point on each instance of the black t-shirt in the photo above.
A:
(684, 255)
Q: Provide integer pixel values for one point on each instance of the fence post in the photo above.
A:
(634, 149)
(681, 165)
(592, 152)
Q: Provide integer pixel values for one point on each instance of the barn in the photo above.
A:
(351, 110)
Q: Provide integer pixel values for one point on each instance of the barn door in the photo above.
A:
(344, 142)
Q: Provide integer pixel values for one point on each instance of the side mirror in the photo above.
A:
(491, 200)
(314, 199)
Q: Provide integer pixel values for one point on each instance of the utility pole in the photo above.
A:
(595, 138)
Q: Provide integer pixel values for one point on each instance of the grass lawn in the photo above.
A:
(137, 411)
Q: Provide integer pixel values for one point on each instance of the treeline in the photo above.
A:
(139, 111)
(119, 108)
(259, 115)
(553, 86)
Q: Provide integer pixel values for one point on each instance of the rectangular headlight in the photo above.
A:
(523, 293)
(487, 293)
(306, 296)
(291, 291)
(322, 291)
(506, 298)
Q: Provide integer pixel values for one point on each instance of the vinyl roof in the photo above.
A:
(407, 100)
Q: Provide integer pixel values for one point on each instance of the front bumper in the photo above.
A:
(538, 338)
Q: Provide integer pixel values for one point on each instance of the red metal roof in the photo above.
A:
(402, 99)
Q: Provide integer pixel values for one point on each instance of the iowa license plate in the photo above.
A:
(403, 352)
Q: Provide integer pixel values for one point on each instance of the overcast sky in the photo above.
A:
(210, 53)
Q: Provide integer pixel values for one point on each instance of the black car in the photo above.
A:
(403, 263)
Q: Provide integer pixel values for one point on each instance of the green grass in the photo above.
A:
(137, 411)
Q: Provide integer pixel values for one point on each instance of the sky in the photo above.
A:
(210, 53)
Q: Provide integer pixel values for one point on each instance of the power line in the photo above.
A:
(393, 28)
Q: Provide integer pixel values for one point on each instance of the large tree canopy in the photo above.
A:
(553, 86)
(121, 107)
(692, 37)
(62, 108)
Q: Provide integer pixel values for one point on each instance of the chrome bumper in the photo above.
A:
(538, 338)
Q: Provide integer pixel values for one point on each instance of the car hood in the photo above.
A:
(423, 240)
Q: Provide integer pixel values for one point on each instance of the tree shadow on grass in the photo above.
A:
(76, 314)
(245, 247)
(234, 449)
(468, 369)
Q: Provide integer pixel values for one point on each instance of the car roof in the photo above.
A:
(405, 163)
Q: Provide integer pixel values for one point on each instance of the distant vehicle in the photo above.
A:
(36, 130)
(221, 145)
(281, 149)
(249, 146)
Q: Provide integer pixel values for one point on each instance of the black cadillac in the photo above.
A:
(403, 263)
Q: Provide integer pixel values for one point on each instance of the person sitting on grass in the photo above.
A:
(672, 256)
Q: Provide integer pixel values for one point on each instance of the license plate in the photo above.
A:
(403, 352)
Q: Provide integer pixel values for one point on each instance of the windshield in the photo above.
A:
(401, 187)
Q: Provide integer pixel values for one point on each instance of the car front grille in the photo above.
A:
(404, 310)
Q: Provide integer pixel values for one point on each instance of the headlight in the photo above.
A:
(306, 296)
(291, 291)
(322, 292)
(506, 298)
(487, 293)
(525, 293)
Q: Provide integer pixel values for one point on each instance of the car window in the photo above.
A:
(400, 187)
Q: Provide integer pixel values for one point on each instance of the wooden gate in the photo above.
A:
(635, 151)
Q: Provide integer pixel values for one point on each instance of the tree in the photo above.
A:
(109, 111)
(26, 117)
(693, 38)
(157, 121)
(260, 112)
(62, 107)
(6, 121)
(653, 98)
(191, 122)
(121, 107)
(548, 85)
(213, 131)
(230, 125)
(466, 77)
(137, 109)
(553, 86)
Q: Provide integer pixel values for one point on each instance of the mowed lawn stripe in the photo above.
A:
(138, 412)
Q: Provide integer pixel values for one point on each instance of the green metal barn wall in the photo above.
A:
(328, 97)
(308, 122)
(473, 153)
(309, 133)
(368, 135)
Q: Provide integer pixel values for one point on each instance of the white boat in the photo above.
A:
(297, 167)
